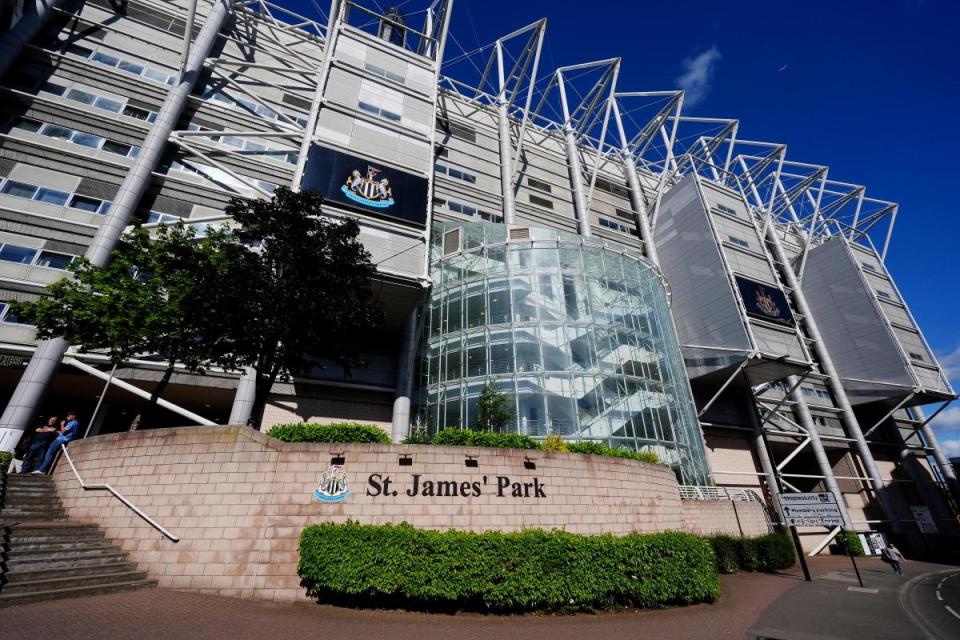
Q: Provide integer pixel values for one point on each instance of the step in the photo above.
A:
(19, 540)
(22, 515)
(20, 479)
(54, 527)
(29, 488)
(60, 582)
(46, 562)
(56, 594)
(19, 501)
(14, 577)
(54, 546)
(51, 554)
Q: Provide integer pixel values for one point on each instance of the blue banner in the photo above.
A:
(764, 301)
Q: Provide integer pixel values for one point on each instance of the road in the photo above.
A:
(924, 604)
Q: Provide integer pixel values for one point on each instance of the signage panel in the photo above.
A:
(365, 186)
(924, 520)
(811, 509)
(764, 301)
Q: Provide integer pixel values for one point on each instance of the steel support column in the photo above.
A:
(43, 365)
(943, 464)
(760, 442)
(244, 398)
(401, 402)
(849, 419)
(12, 42)
(806, 421)
(506, 145)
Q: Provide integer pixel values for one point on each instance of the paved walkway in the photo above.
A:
(170, 615)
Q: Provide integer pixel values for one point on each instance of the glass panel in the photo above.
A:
(153, 74)
(115, 147)
(105, 58)
(108, 104)
(14, 253)
(52, 197)
(54, 260)
(130, 67)
(85, 204)
(81, 96)
(55, 131)
(86, 140)
(18, 189)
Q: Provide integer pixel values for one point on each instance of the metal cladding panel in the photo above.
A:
(703, 302)
(857, 335)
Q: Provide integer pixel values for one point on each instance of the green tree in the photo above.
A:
(493, 409)
(157, 296)
(309, 297)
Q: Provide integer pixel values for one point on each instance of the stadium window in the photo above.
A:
(53, 260)
(626, 215)
(916, 356)
(541, 202)
(540, 185)
(377, 111)
(16, 253)
(868, 266)
(86, 203)
(883, 294)
(737, 241)
(722, 208)
(820, 421)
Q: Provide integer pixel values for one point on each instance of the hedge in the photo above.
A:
(5, 458)
(853, 540)
(772, 552)
(470, 438)
(336, 432)
(531, 570)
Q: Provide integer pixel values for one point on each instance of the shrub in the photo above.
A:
(555, 443)
(471, 438)
(532, 570)
(725, 550)
(598, 449)
(771, 552)
(851, 539)
(337, 432)
(5, 458)
(776, 552)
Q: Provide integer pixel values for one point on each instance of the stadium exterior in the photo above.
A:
(562, 236)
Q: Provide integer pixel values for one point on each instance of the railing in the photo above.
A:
(692, 492)
(117, 495)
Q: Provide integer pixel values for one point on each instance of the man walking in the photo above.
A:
(67, 433)
(893, 556)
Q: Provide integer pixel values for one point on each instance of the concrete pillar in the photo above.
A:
(244, 397)
(847, 416)
(802, 412)
(401, 402)
(35, 15)
(29, 392)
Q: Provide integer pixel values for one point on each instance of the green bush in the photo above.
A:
(850, 538)
(597, 449)
(5, 458)
(725, 550)
(470, 438)
(555, 444)
(771, 552)
(776, 552)
(532, 570)
(337, 432)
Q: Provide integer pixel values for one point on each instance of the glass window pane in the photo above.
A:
(14, 253)
(134, 112)
(26, 124)
(108, 104)
(116, 147)
(81, 96)
(87, 140)
(52, 87)
(54, 260)
(56, 131)
(51, 196)
(105, 58)
(18, 189)
(85, 204)
(130, 67)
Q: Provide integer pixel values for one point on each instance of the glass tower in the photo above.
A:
(577, 332)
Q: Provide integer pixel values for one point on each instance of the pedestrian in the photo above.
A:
(68, 432)
(42, 436)
(892, 556)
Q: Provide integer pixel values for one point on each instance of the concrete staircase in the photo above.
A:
(45, 556)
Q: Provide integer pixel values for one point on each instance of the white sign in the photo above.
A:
(924, 520)
(811, 509)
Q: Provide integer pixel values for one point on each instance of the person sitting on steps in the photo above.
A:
(68, 432)
(40, 443)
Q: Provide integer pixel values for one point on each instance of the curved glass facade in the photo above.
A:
(577, 332)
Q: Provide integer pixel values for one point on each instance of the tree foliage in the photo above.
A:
(157, 296)
(493, 409)
(308, 299)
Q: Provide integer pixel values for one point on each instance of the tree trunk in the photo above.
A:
(264, 385)
(152, 402)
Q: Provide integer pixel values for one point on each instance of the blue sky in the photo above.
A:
(869, 88)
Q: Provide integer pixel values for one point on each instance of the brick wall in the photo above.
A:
(707, 518)
(238, 499)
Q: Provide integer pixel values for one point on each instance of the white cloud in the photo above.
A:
(951, 448)
(697, 76)
(951, 363)
(947, 419)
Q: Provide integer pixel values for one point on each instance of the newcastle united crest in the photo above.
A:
(766, 303)
(368, 191)
(333, 485)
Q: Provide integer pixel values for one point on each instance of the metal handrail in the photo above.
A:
(117, 495)
(693, 492)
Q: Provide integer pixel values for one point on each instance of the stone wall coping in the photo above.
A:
(241, 432)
